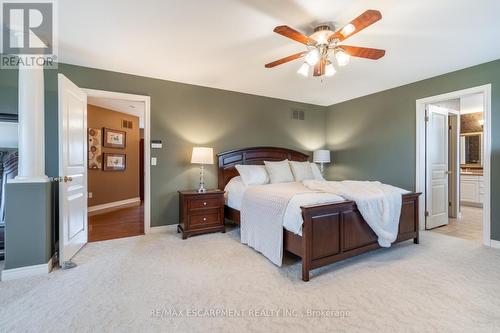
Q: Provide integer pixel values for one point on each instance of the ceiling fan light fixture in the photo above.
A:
(330, 70)
(342, 58)
(312, 57)
(347, 30)
(304, 70)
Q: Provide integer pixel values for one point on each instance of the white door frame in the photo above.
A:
(147, 147)
(420, 152)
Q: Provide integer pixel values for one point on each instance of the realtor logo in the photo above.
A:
(27, 33)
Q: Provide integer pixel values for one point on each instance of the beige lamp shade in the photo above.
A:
(321, 156)
(202, 155)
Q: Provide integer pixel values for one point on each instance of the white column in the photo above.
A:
(31, 167)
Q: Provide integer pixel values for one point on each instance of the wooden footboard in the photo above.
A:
(332, 232)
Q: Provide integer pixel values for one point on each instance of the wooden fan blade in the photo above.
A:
(319, 68)
(362, 21)
(363, 52)
(286, 59)
(294, 34)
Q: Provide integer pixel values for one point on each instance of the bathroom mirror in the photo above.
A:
(471, 149)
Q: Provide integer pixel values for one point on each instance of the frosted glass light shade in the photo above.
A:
(304, 70)
(202, 155)
(342, 58)
(321, 156)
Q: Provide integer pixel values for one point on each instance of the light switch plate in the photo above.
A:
(153, 160)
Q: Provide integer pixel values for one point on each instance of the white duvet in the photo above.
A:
(379, 204)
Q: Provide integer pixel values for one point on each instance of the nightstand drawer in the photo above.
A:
(211, 217)
(213, 202)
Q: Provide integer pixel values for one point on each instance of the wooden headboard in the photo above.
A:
(227, 161)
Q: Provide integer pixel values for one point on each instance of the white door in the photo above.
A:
(72, 168)
(437, 167)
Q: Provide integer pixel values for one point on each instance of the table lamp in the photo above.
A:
(202, 156)
(322, 157)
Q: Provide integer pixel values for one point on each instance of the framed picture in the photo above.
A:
(95, 149)
(114, 162)
(114, 138)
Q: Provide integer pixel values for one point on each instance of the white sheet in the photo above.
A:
(235, 189)
(379, 204)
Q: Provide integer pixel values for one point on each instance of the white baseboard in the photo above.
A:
(163, 228)
(495, 244)
(26, 271)
(114, 204)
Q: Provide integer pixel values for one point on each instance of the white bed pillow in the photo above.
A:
(279, 172)
(301, 171)
(316, 173)
(253, 174)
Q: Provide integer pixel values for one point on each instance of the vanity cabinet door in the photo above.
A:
(469, 189)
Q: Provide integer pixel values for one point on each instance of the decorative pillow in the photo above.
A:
(316, 173)
(279, 172)
(253, 174)
(301, 171)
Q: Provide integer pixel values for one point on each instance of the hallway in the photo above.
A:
(125, 222)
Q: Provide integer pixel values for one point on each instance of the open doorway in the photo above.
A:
(115, 177)
(453, 154)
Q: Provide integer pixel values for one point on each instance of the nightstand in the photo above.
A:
(201, 213)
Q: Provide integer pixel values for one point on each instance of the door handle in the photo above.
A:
(67, 179)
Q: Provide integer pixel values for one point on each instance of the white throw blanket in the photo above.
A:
(261, 220)
(379, 204)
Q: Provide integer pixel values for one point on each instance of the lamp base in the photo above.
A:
(202, 190)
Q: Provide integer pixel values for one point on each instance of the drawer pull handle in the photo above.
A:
(204, 219)
(204, 203)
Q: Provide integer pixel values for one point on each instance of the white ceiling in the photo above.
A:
(129, 107)
(225, 43)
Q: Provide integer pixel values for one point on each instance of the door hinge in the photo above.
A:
(426, 214)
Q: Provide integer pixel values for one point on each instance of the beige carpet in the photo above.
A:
(148, 283)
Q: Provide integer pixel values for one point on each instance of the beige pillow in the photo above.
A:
(279, 172)
(301, 171)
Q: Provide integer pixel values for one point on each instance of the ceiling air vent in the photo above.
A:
(298, 115)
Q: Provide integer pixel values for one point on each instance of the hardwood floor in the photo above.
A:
(120, 223)
(469, 226)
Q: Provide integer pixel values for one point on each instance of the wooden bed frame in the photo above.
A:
(331, 232)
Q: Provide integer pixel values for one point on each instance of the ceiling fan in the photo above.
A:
(324, 44)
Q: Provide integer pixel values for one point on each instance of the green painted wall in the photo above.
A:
(183, 116)
(28, 232)
(374, 137)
